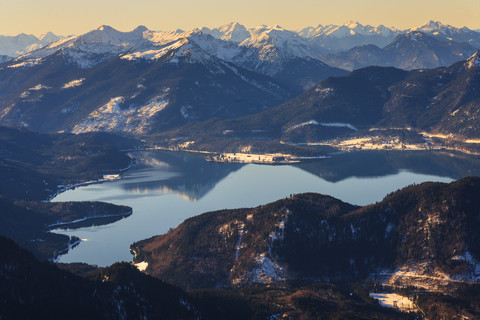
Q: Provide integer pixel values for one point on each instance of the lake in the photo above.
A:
(165, 188)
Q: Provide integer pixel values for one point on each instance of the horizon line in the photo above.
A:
(39, 35)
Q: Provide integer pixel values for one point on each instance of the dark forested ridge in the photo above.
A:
(425, 230)
(33, 165)
(36, 166)
(30, 289)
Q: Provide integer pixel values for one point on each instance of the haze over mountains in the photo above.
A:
(412, 50)
(13, 46)
(144, 81)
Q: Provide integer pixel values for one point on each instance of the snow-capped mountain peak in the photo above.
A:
(432, 26)
(104, 42)
(437, 28)
(447, 32)
(230, 27)
(48, 37)
(233, 31)
(352, 24)
(20, 44)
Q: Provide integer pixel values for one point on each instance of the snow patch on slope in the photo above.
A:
(267, 271)
(39, 87)
(155, 54)
(425, 275)
(111, 117)
(324, 124)
(73, 83)
(325, 92)
(339, 125)
(26, 63)
(141, 266)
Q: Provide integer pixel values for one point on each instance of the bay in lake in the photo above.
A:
(165, 188)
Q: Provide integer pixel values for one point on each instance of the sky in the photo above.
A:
(66, 17)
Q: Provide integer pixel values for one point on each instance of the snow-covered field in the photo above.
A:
(393, 300)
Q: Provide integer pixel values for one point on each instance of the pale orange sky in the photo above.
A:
(76, 17)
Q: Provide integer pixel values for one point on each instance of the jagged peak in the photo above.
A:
(352, 24)
(432, 26)
(435, 24)
(232, 31)
(47, 35)
(231, 26)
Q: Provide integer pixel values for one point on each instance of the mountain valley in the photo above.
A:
(186, 112)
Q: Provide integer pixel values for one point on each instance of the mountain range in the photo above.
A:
(334, 38)
(143, 82)
(410, 106)
(13, 46)
(321, 39)
(411, 50)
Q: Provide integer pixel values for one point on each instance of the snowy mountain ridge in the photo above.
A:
(348, 28)
(14, 46)
(267, 49)
(233, 31)
(270, 42)
(449, 33)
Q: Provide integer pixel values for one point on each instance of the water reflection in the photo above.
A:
(381, 163)
(165, 188)
(191, 176)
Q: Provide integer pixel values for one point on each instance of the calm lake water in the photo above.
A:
(166, 188)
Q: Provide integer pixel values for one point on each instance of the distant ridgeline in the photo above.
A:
(371, 108)
(144, 83)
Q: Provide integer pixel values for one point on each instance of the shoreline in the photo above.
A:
(106, 178)
(244, 157)
(51, 226)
